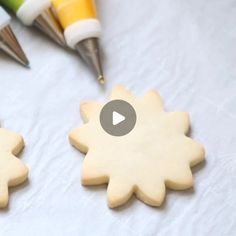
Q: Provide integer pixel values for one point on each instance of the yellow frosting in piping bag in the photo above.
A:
(71, 11)
(82, 30)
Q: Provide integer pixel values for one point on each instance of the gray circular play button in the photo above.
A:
(118, 118)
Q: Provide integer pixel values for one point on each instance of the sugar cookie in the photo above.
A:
(155, 154)
(12, 170)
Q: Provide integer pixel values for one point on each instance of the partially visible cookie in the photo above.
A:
(12, 170)
(155, 154)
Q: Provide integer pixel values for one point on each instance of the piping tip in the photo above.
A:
(47, 23)
(10, 45)
(101, 79)
(89, 51)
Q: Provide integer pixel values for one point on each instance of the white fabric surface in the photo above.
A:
(186, 50)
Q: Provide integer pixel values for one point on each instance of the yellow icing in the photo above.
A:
(71, 11)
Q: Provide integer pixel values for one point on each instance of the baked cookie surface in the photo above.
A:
(156, 154)
(12, 170)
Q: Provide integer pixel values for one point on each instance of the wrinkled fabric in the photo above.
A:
(187, 51)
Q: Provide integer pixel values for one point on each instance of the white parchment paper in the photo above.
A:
(185, 49)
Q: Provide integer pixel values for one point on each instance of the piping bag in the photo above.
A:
(8, 41)
(82, 30)
(37, 13)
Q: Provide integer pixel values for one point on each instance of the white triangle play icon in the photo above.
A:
(117, 118)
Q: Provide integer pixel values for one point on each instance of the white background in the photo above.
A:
(186, 50)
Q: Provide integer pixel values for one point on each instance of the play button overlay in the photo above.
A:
(118, 118)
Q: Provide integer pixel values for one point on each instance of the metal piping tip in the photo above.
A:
(101, 79)
(10, 45)
(47, 23)
(89, 51)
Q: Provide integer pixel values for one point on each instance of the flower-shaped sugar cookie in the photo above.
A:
(155, 154)
(12, 170)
